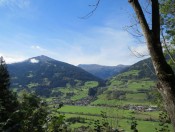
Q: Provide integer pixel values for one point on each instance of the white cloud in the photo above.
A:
(100, 45)
(34, 61)
(36, 47)
(12, 58)
(15, 3)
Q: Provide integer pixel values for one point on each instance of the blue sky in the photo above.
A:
(54, 28)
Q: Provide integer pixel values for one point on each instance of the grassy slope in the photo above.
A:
(133, 87)
(79, 92)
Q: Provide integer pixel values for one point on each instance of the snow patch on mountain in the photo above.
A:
(34, 60)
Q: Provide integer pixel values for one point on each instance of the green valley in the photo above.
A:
(124, 98)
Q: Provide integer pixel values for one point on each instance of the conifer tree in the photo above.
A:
(8, 101)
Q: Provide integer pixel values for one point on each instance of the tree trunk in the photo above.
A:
(165, 74)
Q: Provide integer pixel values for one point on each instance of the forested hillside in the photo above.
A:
(144, 69)
(43, 73)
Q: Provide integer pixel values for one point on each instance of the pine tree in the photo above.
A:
(8, 101)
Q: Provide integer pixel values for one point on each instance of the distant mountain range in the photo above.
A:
(42, 71)
(45, 76)
(103, 72)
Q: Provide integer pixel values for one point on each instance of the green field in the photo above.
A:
(75, 93)
(117, 118)
(135, 93)
(110, 111)
(111, 100)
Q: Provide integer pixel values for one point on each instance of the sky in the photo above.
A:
(58, 29)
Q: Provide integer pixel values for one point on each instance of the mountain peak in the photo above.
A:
(41, 58)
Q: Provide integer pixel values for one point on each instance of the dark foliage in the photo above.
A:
(8, 101)
(93, 91)
(76, 120)
(116, 94)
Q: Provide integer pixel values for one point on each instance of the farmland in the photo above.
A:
(119, 111)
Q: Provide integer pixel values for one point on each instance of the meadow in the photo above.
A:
(117, 118)
(136, 93)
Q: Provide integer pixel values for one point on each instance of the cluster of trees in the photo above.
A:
(8, 101)
(116, 94)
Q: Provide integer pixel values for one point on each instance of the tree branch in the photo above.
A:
(141, 17)
(136, 53)
(92, 12)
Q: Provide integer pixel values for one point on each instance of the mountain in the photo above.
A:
(139, 70)
(103, 72)
(45, 72)
(134, 85)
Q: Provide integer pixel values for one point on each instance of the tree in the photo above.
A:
(164, 73)
(8, 101)
(32, 114)
(167, 9)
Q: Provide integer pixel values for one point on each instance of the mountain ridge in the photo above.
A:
(101, 71)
